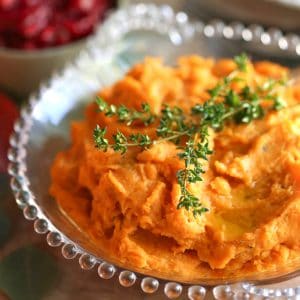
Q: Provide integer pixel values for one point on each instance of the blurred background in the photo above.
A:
(270, 13)
(38, 37)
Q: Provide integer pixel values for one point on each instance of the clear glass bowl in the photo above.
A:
(43, 130)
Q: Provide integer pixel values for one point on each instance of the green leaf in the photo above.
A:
(5, 226)
(279, 103)
(241, 62)
(99, 138)
(232, 99)
(27, 273)
(102, 105)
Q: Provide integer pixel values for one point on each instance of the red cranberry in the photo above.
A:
(8, 20)
(34, 20)
(29, 3)
(47, 36)
(83, 26)
(83, 5)
(59, 4)
(58, 17)
(8, 4)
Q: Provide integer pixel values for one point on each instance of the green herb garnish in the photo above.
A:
(125, 114)
(241, 61)
(190, 131)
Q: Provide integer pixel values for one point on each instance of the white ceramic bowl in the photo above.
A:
(22, 71)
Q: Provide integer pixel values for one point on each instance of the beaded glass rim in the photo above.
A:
(161, 19)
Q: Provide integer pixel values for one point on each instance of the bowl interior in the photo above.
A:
(66, 95)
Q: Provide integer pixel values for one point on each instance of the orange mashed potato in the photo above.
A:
(127, 203)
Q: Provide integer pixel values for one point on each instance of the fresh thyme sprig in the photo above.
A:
(120, 141)
(125, 114)
(241, 62)
(190, 131)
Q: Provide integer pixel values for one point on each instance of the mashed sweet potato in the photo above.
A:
(128, 204)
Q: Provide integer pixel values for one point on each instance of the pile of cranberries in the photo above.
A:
(31, 24)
